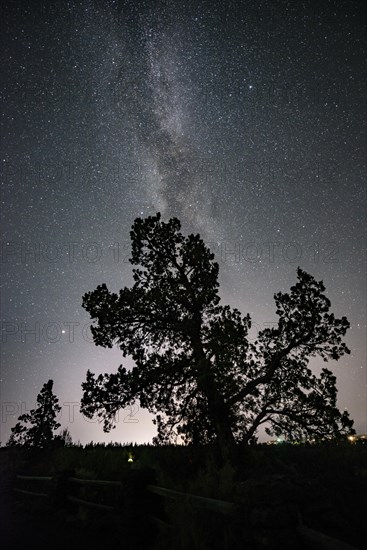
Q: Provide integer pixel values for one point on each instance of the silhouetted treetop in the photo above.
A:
(36, 428)
(195, 366)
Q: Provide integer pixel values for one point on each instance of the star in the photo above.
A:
(228, 125)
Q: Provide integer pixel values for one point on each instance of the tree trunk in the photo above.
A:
(218, 409)
(220, 416)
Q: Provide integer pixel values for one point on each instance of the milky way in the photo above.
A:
(246, 121)
(159, 100)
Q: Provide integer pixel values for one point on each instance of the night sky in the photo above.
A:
(246, 120)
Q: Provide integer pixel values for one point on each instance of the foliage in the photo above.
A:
(36, 428)
(326, 483)
(195, 367)
(64, 439)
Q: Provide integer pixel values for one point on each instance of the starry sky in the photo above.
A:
(245, 119)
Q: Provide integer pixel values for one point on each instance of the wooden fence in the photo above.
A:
(60, 485)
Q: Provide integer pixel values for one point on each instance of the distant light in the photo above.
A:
(351, 438)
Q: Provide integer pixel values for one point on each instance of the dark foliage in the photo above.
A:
(36, 428)
(195, 368)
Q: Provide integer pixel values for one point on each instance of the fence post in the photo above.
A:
(61, 489)
(138, 504)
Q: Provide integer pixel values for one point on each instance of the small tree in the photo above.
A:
(36, 428)
(64, 439)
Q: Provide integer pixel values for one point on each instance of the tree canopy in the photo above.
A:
(36, 428)
(195, 367)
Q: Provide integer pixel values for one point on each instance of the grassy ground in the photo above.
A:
(273, 485)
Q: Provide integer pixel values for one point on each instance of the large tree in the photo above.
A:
(36, 428)
(195, 367)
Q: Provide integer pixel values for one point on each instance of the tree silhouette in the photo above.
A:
(35, 429)
(195, 367)
(63, 439)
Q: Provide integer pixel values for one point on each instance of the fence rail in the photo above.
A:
(95, 482)
(33, 478)
(90, 504)
(315, 539)
(212, 504)
(311, 537)
(33, 493)
(36, 478)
